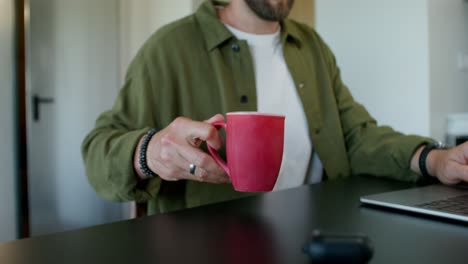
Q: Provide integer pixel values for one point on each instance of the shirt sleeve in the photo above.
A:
(109, 148)
(372, 149)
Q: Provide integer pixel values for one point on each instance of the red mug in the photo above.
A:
(254, 150)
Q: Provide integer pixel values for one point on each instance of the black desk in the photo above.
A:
(267, 228)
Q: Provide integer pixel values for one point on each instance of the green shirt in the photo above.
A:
(196, 68)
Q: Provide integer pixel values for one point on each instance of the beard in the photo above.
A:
(269, 11)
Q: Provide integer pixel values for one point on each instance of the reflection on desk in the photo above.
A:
(267, 228)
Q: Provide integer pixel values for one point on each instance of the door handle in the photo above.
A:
(37, 101)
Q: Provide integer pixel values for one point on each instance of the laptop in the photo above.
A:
(436, 200)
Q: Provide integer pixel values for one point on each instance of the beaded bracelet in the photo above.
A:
(143, 149)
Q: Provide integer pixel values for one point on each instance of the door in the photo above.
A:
(73, 75)
(7, 125)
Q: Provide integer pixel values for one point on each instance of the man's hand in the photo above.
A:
(450, 166)
(172, 150)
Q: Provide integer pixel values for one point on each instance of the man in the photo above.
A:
(245, 56)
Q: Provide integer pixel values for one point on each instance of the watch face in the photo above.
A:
(439, 145)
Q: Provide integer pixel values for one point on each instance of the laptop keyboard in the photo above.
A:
(457, 205)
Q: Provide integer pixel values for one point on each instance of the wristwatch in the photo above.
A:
(425, 152)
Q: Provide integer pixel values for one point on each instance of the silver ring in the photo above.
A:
(192, 168)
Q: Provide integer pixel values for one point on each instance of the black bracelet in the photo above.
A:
(143, 149)
(423, 157)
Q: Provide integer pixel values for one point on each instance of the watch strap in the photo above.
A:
(423, 157)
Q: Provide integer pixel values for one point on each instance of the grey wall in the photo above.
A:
(400, 58)
(140, 19)
(448, 32)
(7, 166)
(382, 49)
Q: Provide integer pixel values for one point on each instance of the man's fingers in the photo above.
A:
(203, 161)
(195, 131)
(174, 168)
(179, 149)
(461, 171)
(177, 159)
(215, 118)
(197, 157)
(200, 175)
(208, 133)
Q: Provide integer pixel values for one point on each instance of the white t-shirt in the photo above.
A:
(276, 93)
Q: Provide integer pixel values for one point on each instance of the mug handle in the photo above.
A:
(214, 152)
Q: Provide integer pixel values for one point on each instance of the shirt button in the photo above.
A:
(244, 99)
(235, 47)
(301, 85)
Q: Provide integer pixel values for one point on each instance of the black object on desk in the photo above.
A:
(323, 248)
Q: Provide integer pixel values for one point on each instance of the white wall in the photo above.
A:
(382, 49)
(7, 151)
(140, 19)
(448, 39)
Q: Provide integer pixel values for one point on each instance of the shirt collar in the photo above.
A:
(215, 33)
(290, 33)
